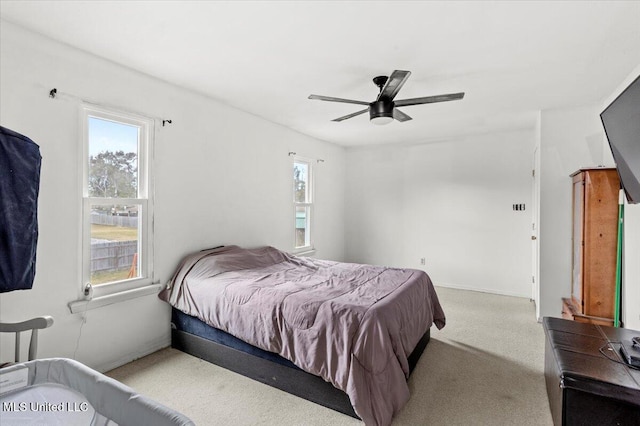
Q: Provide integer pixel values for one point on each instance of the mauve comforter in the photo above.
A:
(353, 325)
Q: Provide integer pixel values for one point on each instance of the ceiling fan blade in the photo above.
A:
(350, 115)
(400, 116)
(430, 99)
(394, 84)
(332, 99)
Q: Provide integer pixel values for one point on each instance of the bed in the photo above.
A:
(341, 334)
(61, 391)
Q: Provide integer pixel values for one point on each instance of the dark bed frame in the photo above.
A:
(292, 380)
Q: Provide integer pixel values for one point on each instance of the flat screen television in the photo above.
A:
(621, 121)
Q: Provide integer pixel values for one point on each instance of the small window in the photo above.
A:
(117, 209)
(303, 204)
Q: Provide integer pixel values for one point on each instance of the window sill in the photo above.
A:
(82, 305)
(305, 252)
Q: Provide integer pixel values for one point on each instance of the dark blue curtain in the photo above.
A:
(19, 185)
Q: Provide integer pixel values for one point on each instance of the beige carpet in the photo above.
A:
(484, 368)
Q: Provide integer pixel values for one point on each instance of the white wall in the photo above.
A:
(567, 144)
(631, 272)
(572, 138)
(449, 202)
(222, 177)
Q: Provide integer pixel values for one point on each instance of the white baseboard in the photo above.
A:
(148, 349)
(482, 290)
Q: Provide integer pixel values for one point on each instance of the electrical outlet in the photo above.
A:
(423, 261)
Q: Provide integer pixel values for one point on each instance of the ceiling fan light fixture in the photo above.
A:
(381, 112)
(381, 120)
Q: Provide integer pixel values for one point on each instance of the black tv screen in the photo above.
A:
(621, 121)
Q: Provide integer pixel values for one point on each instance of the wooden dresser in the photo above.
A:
(594, 238)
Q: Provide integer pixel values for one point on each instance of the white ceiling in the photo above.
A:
(510, 58)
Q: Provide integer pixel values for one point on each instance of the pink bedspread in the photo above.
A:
(353, 325)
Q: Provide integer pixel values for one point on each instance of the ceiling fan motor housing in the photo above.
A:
(381, 108)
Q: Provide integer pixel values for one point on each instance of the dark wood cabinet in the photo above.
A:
(586, 386)
(594, 238)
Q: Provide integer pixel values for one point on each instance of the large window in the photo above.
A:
(117, 209)
(302, 204)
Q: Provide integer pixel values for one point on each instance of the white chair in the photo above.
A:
(34, 325)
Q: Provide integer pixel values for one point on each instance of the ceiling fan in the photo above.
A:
(384, 109)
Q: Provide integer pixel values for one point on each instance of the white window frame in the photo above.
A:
(308, 204)
(107, 293)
